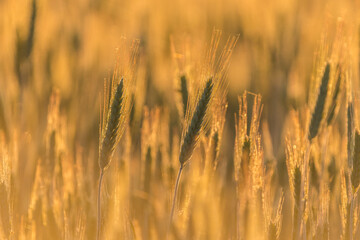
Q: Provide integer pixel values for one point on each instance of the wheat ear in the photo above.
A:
(317, 114)
(109, 139)
(193, 131)
(192, 135)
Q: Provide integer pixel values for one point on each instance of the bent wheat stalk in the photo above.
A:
(115, 114)
(110, 137)
(192, 135)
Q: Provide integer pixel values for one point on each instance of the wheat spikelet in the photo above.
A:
(218, 121)
(111, 132)
(197, 117)
(298, 173)
(115, 114)
(256, 164)
(117, 103)
(110, 137)
(197, 122)
(318, 111)
(247, 133)
(249, 167)
(241, 136)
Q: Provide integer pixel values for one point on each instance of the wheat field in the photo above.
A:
(156, 119)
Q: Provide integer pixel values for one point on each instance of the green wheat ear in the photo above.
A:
(320, 104)
(197, 121)
(111, 132)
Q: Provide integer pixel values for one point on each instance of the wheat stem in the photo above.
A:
(99, 205)
(174, 198)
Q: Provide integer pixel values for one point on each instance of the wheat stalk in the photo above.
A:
(116, 111)
(109, 139)
(192, 134)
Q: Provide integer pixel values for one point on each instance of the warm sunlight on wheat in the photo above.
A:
(181, 119)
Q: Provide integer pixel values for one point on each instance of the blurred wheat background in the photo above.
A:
(261, 120)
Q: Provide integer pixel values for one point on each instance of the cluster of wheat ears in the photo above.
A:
(203, 117)
(172, 186)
